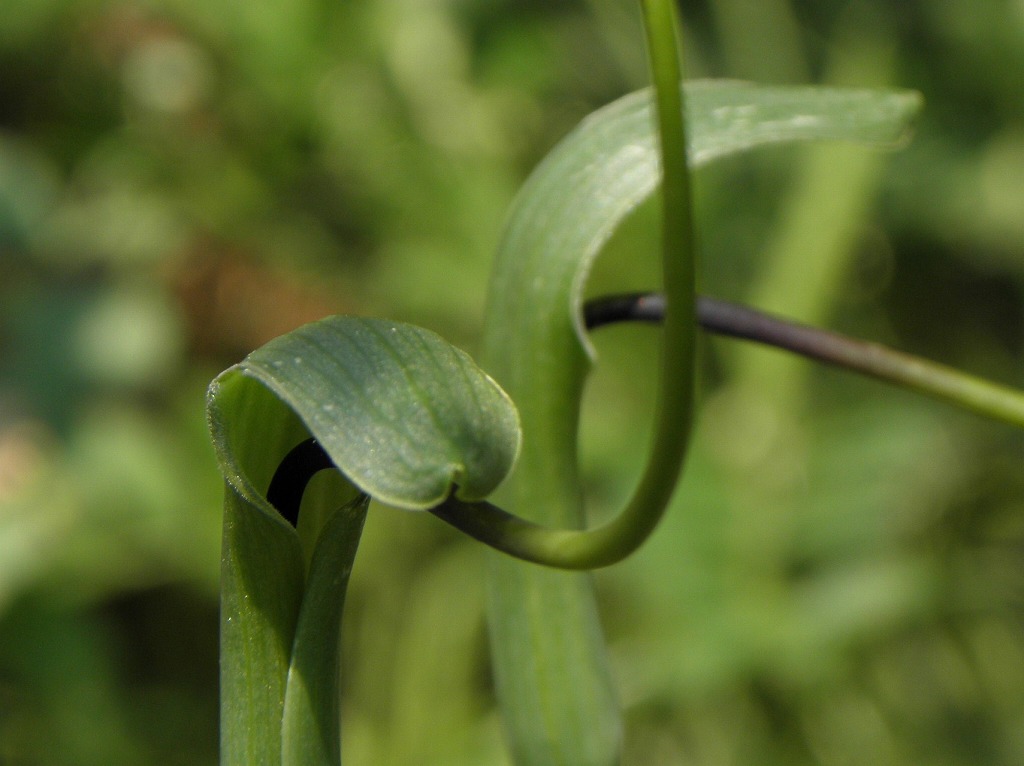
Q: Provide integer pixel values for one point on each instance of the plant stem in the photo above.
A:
(874, 360)
(613, 541)
(675, 402)
(674, 410)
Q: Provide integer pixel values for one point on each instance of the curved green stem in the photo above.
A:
(674, 410)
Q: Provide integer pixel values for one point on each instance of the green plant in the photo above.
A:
(412, 422)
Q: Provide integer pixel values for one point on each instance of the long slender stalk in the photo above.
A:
(983, 397)
(574, 549)
(675, 405)
(950, 385)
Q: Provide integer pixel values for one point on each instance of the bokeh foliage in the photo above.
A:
(842, 578)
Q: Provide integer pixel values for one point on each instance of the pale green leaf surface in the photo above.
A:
(312, 712)
(550, 666)
(262, 570)
(609, 164)
(279, 623)
(261, 593)
(403, 414)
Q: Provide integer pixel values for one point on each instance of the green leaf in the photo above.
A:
(405, 416)
(312, 710)
(608, 165)
(549, 659)
(280, 636)
(402, 413)
(262, 574)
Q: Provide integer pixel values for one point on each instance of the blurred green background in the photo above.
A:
(842, 580)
